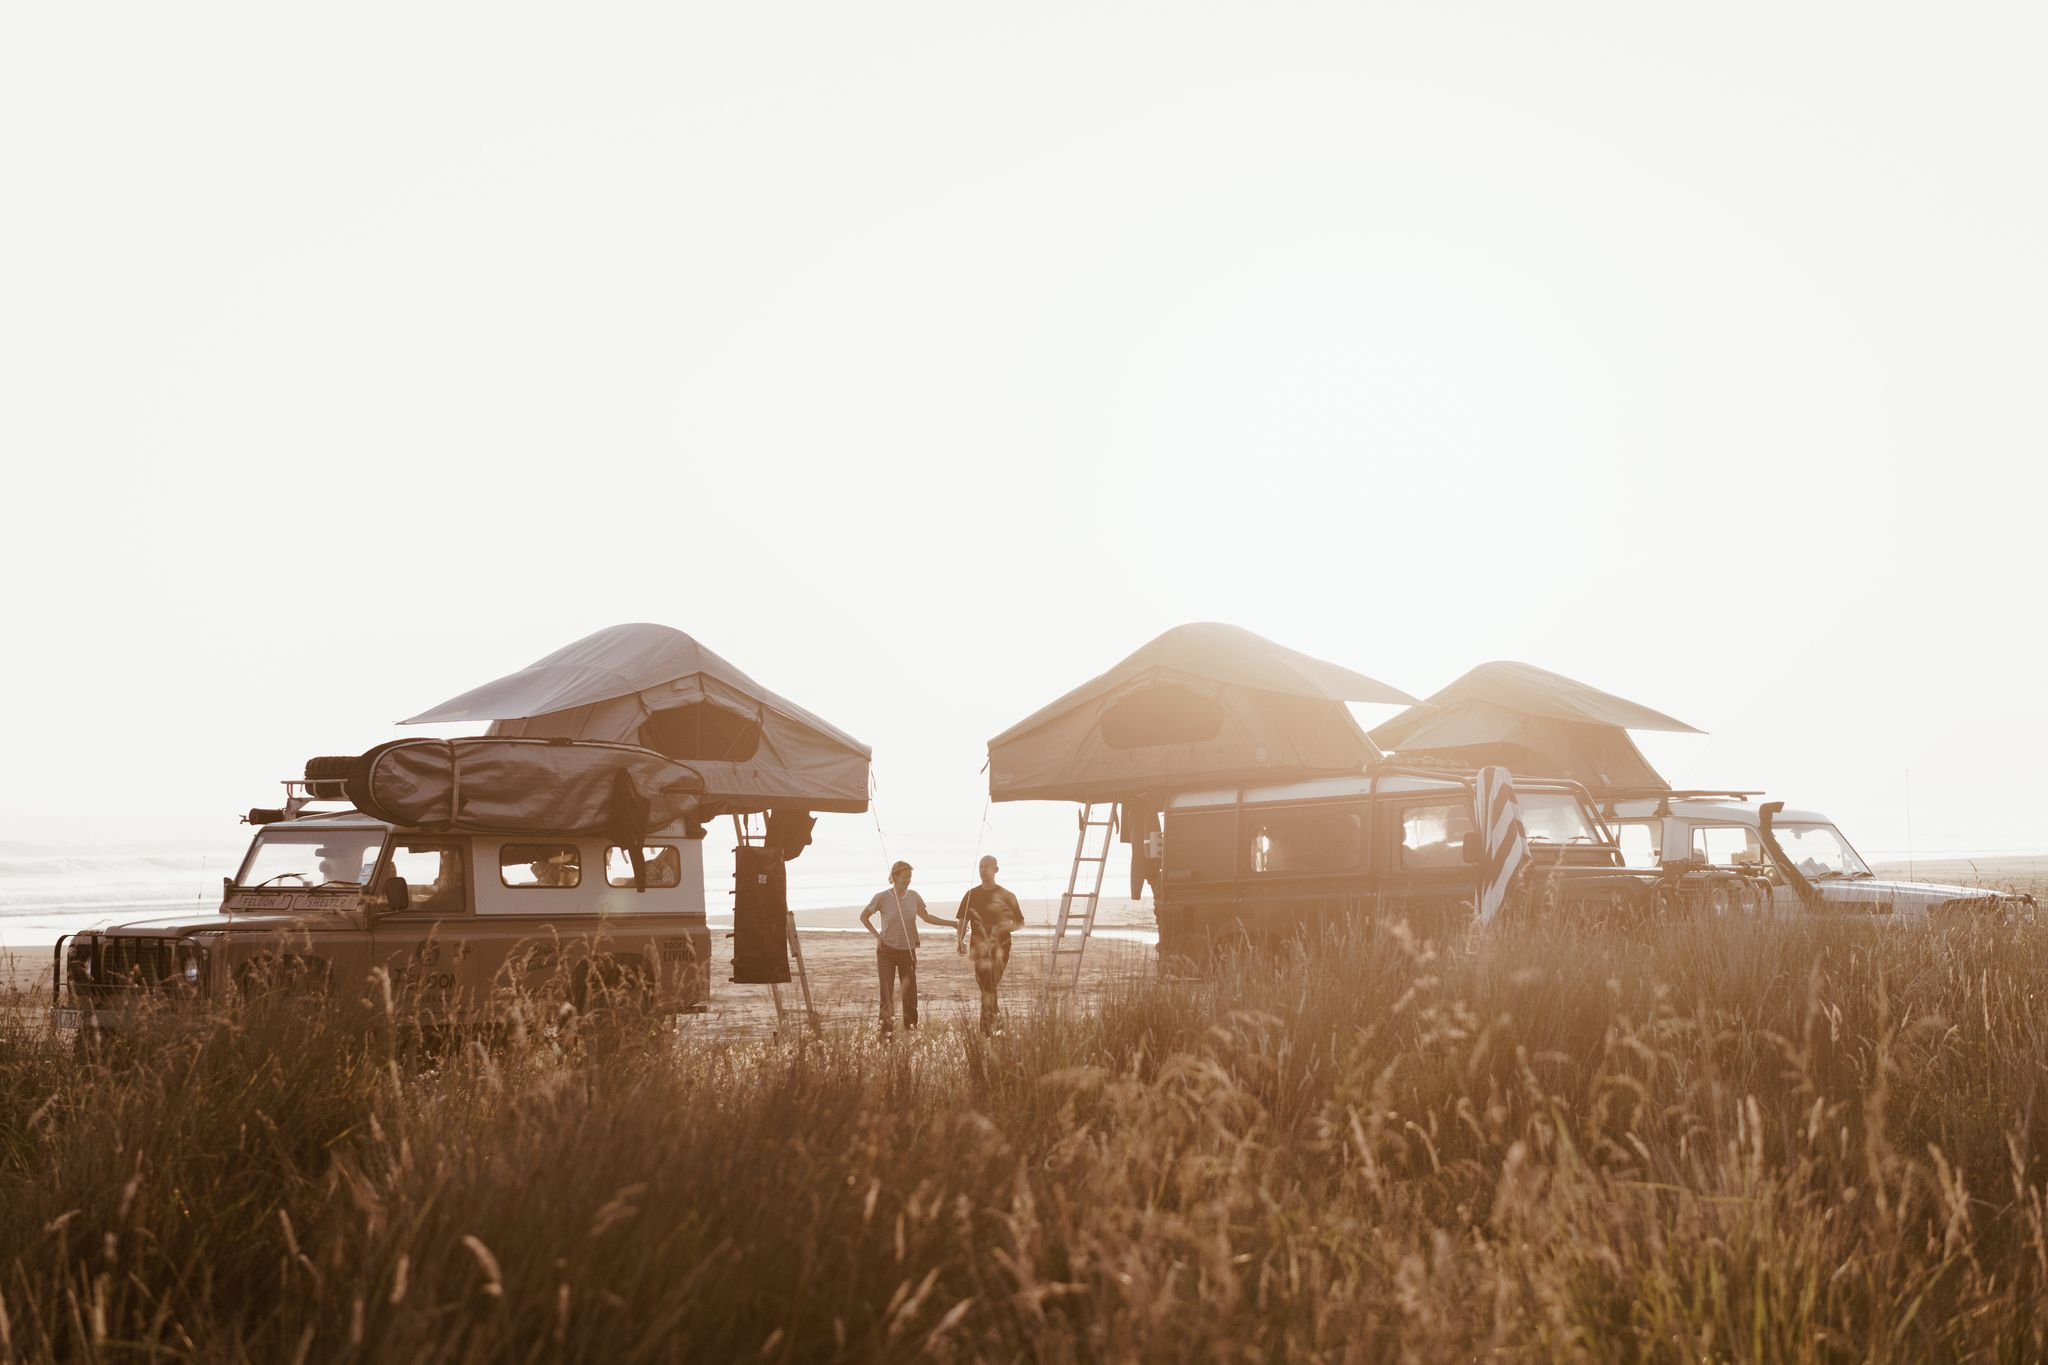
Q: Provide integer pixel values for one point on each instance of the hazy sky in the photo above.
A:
(924, 360)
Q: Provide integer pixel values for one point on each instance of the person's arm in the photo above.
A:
(960, 923)
(924, 913)
(867, 917)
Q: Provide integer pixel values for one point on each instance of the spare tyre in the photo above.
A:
(327, 776)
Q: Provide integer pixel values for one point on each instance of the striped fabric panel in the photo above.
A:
(1505, 845)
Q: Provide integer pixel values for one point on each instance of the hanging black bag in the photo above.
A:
(760, 917)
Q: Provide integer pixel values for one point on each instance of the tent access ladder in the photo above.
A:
(1076, 924)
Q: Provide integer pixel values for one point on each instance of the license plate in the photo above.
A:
(66, 1017)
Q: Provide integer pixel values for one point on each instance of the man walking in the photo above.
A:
(900, 909)
(992, 913)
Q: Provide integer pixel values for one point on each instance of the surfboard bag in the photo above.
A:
(524, 786)
(760, 905)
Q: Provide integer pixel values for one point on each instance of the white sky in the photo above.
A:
(926, 360)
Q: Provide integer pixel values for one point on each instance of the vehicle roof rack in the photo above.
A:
(1671, 794)
(1664, 796)
(299, 793)
(1464, 773)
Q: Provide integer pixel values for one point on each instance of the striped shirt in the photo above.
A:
(897, 916)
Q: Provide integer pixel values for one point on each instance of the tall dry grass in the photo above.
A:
(1716, 1142)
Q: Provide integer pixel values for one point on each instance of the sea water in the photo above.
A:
(59, 885)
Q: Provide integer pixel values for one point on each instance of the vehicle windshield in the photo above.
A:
(1819, 851)
(1555, 818)
(284, 857)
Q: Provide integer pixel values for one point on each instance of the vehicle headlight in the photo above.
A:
(190, 964)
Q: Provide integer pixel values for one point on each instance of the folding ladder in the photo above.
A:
(796, 950)
(1076, 923)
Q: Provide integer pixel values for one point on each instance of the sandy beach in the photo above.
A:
(839, 957)
(841, 962)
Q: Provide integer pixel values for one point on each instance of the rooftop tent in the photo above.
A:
(1202, 703)
(1533, 722)
(656, 687)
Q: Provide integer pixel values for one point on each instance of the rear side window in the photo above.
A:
(1434, 836)
(664, 866)
(1313, 839)
(539, 865)
(1727, 845)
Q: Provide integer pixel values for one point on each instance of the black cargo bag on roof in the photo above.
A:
(760, 923)
(522, 786)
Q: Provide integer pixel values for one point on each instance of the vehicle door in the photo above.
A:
(649, 917)
(1196, 900)
(1424, 870)
(1305, 865)
(541, 899)
(424, 947)
(1641, 842)
(1739, 848)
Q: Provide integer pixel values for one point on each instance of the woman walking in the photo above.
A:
(899, 909)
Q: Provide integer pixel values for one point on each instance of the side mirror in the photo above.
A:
(1473, 847)
(397, 894)
(227, 884)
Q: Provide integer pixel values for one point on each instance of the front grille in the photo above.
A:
(132, 962)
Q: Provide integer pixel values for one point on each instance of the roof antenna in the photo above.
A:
(1909, 825)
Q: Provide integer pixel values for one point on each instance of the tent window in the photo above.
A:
(1161, 714)
(701, 730)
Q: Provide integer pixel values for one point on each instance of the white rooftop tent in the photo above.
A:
(656, 687)
(1534, 722)
(1203, 702)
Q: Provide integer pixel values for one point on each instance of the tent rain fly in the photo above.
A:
(658, 688)
(1201, 703)
(1533, 722)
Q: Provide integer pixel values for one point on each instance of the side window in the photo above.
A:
(664, 866)
(433, 876)
(1642, 842)
(1200, 847)
(1434, 836)
(1306, 840)
(530, 865)
(1727, 845)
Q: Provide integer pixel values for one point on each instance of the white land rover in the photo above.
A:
(1722, 830)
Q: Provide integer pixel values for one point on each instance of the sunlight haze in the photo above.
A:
(925, 360)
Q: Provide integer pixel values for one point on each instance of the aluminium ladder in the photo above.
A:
(1076, 924)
